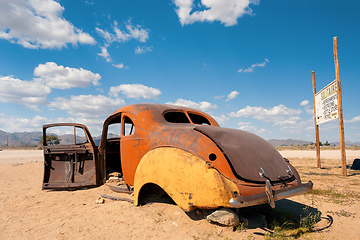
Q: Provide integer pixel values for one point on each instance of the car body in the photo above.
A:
(183, 151)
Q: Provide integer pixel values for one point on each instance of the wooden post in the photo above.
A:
(316, 125)
(340, 110)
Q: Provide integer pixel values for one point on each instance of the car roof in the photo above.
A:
(156, 111)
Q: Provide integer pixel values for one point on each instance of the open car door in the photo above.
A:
(70, 161)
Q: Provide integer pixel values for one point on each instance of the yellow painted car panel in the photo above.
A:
(186, 178)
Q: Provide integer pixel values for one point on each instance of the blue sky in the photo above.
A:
(248, 63)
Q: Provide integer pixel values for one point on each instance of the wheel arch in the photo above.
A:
(185, 177)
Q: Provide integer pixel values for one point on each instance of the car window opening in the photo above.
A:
(197, 119)
(180, 117)
(129, 127)
(114, 128)
(66, 135)
(176, 117)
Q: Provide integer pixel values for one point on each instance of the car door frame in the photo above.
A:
(63, 162)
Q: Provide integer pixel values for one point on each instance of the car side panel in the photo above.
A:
(186, 178)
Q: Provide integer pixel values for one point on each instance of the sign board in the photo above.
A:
(326, 103)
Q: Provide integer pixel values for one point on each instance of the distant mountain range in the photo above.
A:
(291, 142)
(33, 138)
(20, 138)
(288, 142)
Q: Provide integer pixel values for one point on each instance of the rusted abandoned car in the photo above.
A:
(183, 151)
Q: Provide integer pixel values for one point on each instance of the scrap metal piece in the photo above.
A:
(120, 189)
(114, 198)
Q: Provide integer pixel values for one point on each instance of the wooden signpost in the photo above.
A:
(327, 107)
(341, 121)
(316, 125)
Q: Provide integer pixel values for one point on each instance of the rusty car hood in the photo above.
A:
(248, 154)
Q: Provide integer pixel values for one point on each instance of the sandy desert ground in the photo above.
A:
(27, 212)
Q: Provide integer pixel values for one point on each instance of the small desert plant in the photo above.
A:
(331, 195)
(159, 215)
(343, 213)
(250, 237)
(285, 227)
(240, 226)
(309, 219)
(159, 212)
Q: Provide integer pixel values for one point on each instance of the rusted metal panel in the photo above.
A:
(248, 154)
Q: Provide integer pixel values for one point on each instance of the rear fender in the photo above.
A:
(186, 178)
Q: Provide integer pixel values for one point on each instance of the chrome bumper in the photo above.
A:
(261, 198)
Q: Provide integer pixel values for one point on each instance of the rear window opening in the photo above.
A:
(181, 117)
(176, 117)
(197, 119)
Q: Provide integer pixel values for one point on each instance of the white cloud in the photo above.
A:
(38, 24)
(28, 93)
(296, 127)
(16, 124)
(120, 66)
(221, 119)
(309, 110)
(287, 119)
(354, 120)
(246, 126)
(93, 123)
(203, 106)
(304, 103)
(132, 32)
(136, 91)
(277, 114)
(105, 34)
(219, 97)
(306, 106)
(225, 11)
(137, 32)
(251, 69)
(232, 95)
(104, 53)
(62, 77)
(244, 123)
(141, 50)
(87, 106)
